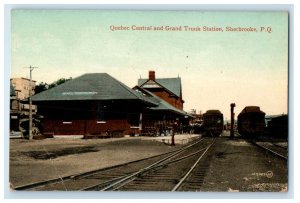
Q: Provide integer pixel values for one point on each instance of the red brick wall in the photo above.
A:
(83, 117)
(171, 100)
(58, 128)
(82, 127)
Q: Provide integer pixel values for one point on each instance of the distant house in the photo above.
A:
(13, 95)
(169, 89)
(91, 104)
(21, 86)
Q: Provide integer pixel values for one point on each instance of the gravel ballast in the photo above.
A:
(235, 165)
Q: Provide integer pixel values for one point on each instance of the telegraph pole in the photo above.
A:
(232, 105)
(30, 103)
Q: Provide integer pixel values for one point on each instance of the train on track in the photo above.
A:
(251, 121)
(213, 123)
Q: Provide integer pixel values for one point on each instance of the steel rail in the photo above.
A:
(270, 150)
(102, 184)
(192, 168)
(84, 174)
(182, 158)
(160, 165)
(277, 145)
(125, 180)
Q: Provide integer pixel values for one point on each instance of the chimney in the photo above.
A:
(151, 75)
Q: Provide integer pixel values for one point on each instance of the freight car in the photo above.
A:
(278, 126)
(251, 121)
(213, 123)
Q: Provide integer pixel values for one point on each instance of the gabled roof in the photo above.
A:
(161, 104)
(171, 84)
(92, 86)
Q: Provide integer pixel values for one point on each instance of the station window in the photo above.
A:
(134, 119)
(101, 113)
(67, 118)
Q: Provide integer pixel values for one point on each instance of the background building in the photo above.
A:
(14, 110)
(21, 87)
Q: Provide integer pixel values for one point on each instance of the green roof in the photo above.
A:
(171, 84)
(92, 86)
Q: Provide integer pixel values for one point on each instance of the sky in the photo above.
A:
(216, 68)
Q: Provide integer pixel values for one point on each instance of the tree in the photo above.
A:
(44, 86)
(41, 87)
(59, 82)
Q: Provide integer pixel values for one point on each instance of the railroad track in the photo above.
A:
(278, 145)
(273, 148)
(180, 172)
(193, 179)
(117, 177)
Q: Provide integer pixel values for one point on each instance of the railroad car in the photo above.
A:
(278, 126)
(251, 121)
(212, 123)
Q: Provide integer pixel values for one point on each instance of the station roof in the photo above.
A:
(161, 104)
(171, 84)
(91, 86)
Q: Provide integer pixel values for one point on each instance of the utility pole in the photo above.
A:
(30, 103)
(232, 105)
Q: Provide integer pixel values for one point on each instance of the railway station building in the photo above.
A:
(93, 103)
(167, 93)
(162, 118)
(98, 104)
